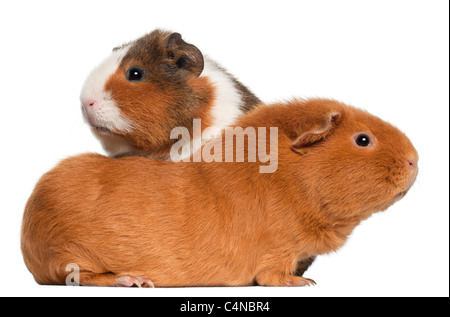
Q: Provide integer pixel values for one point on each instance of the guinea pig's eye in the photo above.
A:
(135, 73)
(362, 140)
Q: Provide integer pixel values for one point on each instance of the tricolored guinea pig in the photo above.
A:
(149, 86)
(140, 221)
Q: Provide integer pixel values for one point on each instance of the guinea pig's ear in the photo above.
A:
(184, 55)
(316, 134)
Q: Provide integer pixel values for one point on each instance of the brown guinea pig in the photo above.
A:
(149, 86)
(139, 221)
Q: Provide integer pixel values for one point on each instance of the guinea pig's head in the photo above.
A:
(352, 162)
(134, 98)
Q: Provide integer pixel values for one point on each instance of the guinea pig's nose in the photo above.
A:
(412, 162)
(90, 102)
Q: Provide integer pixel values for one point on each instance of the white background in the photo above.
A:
(388, 57)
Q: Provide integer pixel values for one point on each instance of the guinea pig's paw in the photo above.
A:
(268, 279)
(299, 281)
(133, 281)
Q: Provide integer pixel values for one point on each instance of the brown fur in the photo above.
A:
(204, 224)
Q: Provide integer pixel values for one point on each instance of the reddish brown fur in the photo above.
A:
(202, 224)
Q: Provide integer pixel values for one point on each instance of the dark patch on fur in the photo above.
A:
(303, 265)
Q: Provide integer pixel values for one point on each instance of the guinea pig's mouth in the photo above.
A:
(95, 126)
(410, 183)
(102, 130)
(402, 194)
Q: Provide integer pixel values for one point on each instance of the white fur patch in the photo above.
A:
(114, 144)
(105, 113)
(226, 108)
